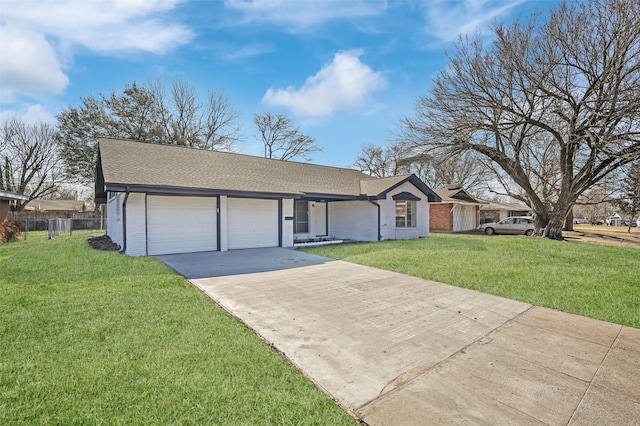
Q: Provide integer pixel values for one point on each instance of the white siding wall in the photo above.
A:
(318, 218)
(353, 220)
(114, 219)
(224, 235)
(136, 225)
(388, 228)
(287, 225)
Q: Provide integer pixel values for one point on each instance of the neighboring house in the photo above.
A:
(6, 199)
(55, 206)
(458, 210)
(165, 199)
(494, 212)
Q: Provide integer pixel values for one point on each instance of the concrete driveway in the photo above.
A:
(399, 350)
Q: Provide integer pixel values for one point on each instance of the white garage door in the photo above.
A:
(464, 218)
(252, 223)
(181, 224)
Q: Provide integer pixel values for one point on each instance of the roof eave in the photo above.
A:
(334, 197)
(418, 183)
(5, 195)
(461, 202)
(176, 190)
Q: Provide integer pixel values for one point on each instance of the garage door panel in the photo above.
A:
(181, 224)
(464, 218)
(252, 223)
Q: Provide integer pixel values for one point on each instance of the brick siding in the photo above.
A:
(440, 217)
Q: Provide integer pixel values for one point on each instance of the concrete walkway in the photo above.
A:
(399, 350)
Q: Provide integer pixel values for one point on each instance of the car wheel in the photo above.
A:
(489, 231)
(529, 232)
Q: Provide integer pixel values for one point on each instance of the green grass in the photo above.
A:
(593, 280)
(94, 337)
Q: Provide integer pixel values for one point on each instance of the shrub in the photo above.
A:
(9, 231)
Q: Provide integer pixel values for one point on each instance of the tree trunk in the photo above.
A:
(568, 222)
(540, 223)
(557, 218)
(553, 230)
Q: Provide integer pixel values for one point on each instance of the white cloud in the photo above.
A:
(304, 14)
(344, 83)
(103, 26)
(29, 63)
(37, 113)
(236, 54)
(51, 30)
(446, 19)
(33, 114)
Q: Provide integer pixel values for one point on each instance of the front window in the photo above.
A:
(405, 214)
(300, 217)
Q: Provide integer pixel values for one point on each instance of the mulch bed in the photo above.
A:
(103, 243)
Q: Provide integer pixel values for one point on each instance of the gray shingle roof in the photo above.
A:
(375, 186)
(136, 163)
(125, 162)
(455, 193)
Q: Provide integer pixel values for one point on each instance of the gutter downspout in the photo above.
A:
(124, 222)
(378, 206)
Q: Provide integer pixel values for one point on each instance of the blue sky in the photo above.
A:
(344, 71)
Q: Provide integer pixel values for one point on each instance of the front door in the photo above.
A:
(301, 217)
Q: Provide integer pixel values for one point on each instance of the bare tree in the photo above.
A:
(435, 170)
(594, 206)
(282, 140)
(439, 170)
(221, 129)
(379, 161)
(629, 201)
(30, 161)
(181, 118)
(564, 86)
(189, 121)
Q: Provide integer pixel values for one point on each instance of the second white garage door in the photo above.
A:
(252, 223)
(181, 224)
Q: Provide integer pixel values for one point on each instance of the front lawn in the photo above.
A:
(593, 280)
(94, 337)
